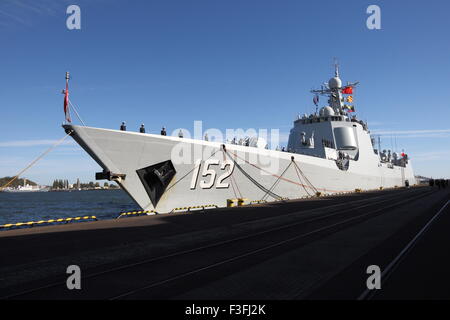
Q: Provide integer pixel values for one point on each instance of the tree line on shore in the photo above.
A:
(60, 184)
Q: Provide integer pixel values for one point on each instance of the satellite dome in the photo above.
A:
(327, 111)
(335, 82)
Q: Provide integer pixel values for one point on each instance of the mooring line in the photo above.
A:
(256, 183)
(276, 182)
(34, 161)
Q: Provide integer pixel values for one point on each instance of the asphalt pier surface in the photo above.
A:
(296, 249)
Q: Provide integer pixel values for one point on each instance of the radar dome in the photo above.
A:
(335, 83)
(327, 111)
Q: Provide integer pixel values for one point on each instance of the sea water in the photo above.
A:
(34, 206)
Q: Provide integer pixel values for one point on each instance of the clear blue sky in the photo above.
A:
(232, 64)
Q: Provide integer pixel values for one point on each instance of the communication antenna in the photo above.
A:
(336, 67)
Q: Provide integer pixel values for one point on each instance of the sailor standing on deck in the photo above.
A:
(123, 127)
(142, 129)
(163, 131)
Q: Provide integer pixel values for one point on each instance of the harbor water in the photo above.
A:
(34, 206)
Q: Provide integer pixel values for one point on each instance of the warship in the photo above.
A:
(329, 151)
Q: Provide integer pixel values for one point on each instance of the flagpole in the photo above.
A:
(66, 99)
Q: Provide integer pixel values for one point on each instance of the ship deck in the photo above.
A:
(297, 249)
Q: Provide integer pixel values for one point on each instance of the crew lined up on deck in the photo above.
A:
(123, 127)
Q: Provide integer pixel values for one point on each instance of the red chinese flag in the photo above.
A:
(66, 103)
(347, 90)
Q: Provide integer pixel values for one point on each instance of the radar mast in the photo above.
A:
(334, 90)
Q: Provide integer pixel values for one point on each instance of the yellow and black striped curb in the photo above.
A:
(43, 222)
(137, 213)
(188, 209)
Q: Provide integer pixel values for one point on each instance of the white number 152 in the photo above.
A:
(208, 171)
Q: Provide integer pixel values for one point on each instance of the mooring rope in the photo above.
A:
(34, 161)
(288, 180)
(233, 182)
(304, 177)
(276, 181)
(256, 183)
(300, 181)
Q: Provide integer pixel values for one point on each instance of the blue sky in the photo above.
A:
(232, 64)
